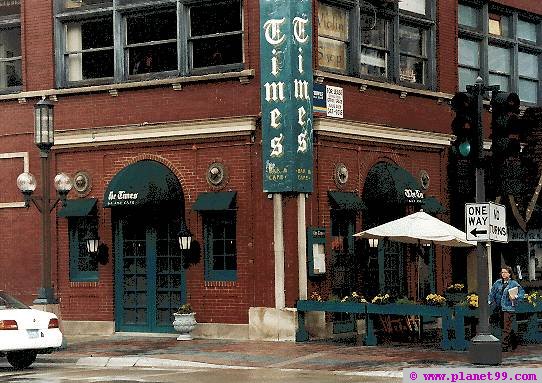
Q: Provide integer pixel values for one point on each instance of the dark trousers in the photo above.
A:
(505, 320)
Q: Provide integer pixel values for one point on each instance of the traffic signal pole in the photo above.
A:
(485, 348)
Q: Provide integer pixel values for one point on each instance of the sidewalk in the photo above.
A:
(143, 350)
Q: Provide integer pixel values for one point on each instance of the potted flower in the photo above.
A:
(455, 294)
(435, 300)
(534, 298)
(185, 321)
(381, 299)
(472, 301)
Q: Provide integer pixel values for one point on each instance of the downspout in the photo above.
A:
(278, 245)
(302, 246)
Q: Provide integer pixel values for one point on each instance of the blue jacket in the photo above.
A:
(503, 302)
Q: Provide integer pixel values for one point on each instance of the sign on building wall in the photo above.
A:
(286, 95)
(328, 100)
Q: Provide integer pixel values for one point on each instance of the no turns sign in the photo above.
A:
(486, 222)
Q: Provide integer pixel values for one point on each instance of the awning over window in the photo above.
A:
(212, 201)
(143, 183)
(78, 207)
(345, 201)
(432, 206)
(388, 183)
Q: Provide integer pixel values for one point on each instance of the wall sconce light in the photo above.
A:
(92, 243)
(373, 242)
(185, 236)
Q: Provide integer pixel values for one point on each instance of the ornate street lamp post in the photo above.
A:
(26, 182)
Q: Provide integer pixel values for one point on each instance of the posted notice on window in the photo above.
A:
(334, 98)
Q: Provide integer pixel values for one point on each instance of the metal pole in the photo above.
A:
(45, 293)
(485, 348)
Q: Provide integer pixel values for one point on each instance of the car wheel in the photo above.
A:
(21, 359)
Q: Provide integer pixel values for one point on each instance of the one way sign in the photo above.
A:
(485, 222)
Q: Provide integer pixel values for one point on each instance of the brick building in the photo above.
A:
(159, 118)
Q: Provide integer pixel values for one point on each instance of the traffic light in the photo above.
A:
(465, 125)
(505, 126)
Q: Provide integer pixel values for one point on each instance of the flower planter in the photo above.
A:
(184, 324)
(455, 298)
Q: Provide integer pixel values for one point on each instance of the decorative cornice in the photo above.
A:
(380, 133)
(145, 132)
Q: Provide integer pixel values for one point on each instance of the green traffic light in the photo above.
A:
(464, 148)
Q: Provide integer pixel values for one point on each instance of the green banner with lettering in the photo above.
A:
(286, 95)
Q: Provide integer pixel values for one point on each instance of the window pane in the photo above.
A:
(503, 81)
(77, 4)
(216, 18)
(10, 71)
(332, 22)
(218, 263)
(152, 58)
(90, 34)
(466, 77)
(217, 51)
(526, 30)
(527, 65)
(468, 16)
(499, 25)
(528, 91)
(230, 263)
(499, 59)
(10, 74)
(417, 6)
(332, 54)
(412, 70)
(411, 40)
(469, 53)
(151, 27)
(373, 62)
(376, 37)
(8, 8)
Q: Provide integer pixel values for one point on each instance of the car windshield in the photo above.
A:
(8, 302)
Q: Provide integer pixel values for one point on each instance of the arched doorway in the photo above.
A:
(147, 204)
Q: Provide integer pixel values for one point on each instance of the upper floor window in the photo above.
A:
(512, 59)
(116, 40)
(392, 41)
(10, 46)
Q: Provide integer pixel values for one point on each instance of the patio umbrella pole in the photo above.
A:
(485, 348)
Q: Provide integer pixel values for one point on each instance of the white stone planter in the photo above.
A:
(184, 324)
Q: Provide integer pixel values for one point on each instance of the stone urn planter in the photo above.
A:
(185, 322)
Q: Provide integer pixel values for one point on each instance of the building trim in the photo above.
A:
(26, 166)
(380, 133)
(176, 84)
(320, 76)
(237, 126)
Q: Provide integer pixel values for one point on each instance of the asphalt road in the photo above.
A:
(70, 373)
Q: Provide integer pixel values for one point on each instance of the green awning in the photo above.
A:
(391, 184)
(212, 201)
(144, 183)
(432, 206)
(345, 201)
(78, 207)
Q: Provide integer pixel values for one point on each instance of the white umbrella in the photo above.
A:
(418, 228)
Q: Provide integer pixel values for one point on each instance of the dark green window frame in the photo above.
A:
(478, 32)
(219, 229)
(83, 266)
(394, 20)
(223, 42)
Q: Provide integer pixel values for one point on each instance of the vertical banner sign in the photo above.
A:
(286, 95)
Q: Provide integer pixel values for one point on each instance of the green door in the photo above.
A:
(149, 277)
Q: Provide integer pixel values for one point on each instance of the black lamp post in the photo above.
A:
(26, 182)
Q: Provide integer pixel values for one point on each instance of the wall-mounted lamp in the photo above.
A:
(373, 242)
(185, 236)
(92, 242)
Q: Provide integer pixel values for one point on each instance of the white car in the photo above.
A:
(25, 332)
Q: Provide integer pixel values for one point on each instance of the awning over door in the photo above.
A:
(391, 184)
(78, 207)
(432, 206)
(345, 201)
(214, 201)
(143, 183)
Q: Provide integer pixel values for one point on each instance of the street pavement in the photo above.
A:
(143, 350)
